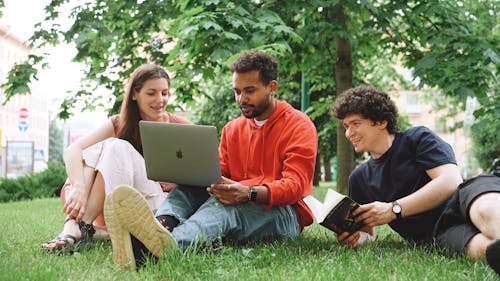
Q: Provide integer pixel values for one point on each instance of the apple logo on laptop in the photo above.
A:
(178, 153)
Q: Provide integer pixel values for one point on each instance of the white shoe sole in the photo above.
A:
(127, 212)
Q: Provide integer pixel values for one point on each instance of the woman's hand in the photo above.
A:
(76, 202)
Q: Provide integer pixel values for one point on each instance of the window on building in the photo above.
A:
(412, 103)
(440, 125)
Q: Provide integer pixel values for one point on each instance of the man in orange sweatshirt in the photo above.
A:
(267, 159)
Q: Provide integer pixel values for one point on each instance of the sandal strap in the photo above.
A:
(87, 230)
(66, 237)
(67, 247)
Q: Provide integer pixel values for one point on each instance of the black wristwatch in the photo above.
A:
(252, 194)
(396, 209)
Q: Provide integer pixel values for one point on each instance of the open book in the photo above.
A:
(335, 213)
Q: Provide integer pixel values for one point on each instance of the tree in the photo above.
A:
(486, 131)
(56, 140)
(343, 79)
(196, 40)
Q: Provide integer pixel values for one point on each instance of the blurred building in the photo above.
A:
(24, 119)
(455, 129)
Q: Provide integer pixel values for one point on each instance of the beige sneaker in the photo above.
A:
(120, 239)
(127, 213)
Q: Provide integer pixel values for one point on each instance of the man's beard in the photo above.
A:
(256, 110)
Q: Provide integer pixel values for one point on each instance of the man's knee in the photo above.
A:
(485, 207)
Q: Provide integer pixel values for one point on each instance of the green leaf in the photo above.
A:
(185, 32)
(211, 25)
(492, 55)
(232, 36)
(426, 63)
(465, 92)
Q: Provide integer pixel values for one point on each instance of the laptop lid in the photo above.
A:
(181, 153)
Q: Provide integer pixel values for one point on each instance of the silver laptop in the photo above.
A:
(180, 153)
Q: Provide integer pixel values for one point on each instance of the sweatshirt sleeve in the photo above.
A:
(223, 154)
(299, 161)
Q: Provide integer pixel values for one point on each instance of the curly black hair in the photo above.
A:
(257, 60)
(370, 103)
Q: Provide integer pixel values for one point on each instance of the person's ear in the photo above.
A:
(382, 124)
(273, 86)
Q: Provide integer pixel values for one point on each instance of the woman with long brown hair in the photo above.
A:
(112, 155)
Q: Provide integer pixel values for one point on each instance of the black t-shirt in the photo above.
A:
(400, 172)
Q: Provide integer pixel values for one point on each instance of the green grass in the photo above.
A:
(316, 255)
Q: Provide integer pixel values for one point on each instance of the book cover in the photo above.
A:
(335, 213)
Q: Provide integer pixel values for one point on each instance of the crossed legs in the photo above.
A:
(485, 215)
(71, 232)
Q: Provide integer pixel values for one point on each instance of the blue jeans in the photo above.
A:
(203, 219)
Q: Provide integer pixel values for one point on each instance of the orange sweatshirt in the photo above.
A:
(280, 155)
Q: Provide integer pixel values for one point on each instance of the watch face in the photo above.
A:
(254, 195)
(396, 209)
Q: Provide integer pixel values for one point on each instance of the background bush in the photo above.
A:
(44, 184)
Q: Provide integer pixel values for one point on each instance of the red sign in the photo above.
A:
(23, 113)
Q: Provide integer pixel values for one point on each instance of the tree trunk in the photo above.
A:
(343, 81)
(327, 165)
(317, 171)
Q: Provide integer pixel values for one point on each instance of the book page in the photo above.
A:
(332, 198)
(314, 205)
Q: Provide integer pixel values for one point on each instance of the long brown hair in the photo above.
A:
(128, 122)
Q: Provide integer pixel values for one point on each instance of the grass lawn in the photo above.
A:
(316, 255)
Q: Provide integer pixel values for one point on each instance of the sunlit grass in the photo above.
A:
(316, 255)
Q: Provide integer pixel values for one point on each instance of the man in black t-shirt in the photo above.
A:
(411, 182)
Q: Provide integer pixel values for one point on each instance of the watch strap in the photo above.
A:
(252, 194)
